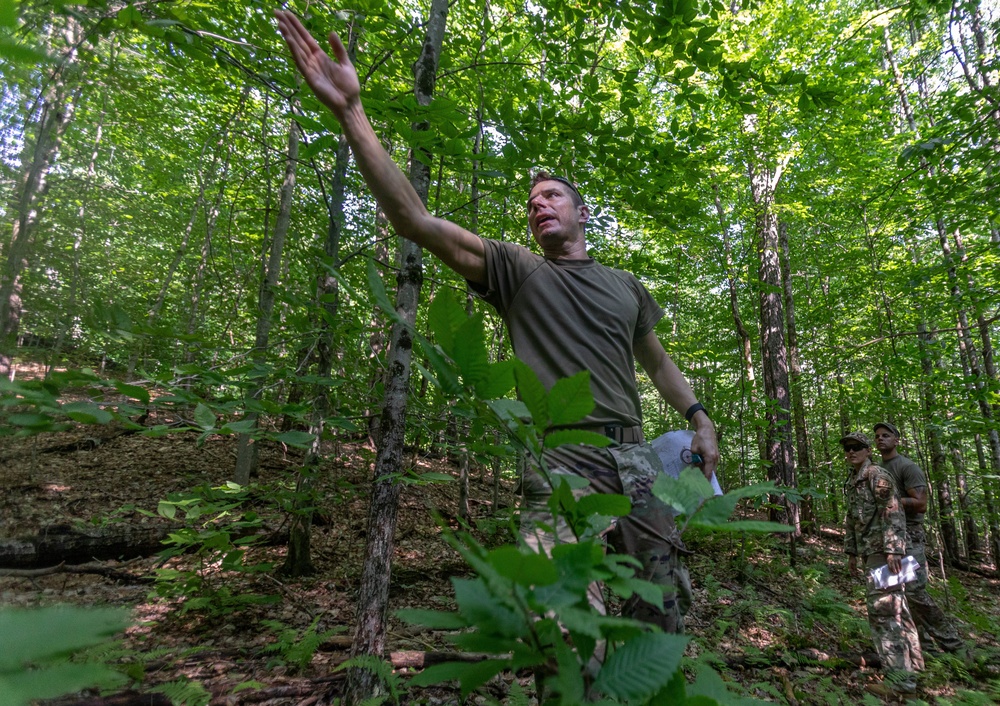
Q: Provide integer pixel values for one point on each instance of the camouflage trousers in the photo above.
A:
(931, 621)
(893, 629)
(648, 533)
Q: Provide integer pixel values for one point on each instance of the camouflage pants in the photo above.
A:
(648, 533)
(893, 629)
(931, 621)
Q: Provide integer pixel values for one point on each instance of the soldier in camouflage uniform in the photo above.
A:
(876, 532)
(911, 483)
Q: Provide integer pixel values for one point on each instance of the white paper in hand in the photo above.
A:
(674, 450)
(883, 578)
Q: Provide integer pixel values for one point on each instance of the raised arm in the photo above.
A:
(676, 391)
(335, 83)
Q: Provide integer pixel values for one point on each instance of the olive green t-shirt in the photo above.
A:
(565, 316)
(907, 475)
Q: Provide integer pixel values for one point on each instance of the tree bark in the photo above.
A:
(774, 352)
(55, 106)
(298, 561)
(247, 458)
(795, 379)
(373, 595)
(749, 382)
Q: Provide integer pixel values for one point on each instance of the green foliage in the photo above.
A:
(391, 682)
(692, 497)
(296, 647)
(37, 647)
(184, 692)
(219, 528)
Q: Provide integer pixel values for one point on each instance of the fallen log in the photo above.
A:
(71, 545)
(114, 573)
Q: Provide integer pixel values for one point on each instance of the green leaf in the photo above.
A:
(38, 634)
(377, 288)
(133, 391)
(480, 608)
(753, 526)
(683, 494)
(434, 619)
(523, 566)
(532, 393)
(570, 399)
(204, 417)
(444, 376)
(608, 504)
(470, 350)
(444, 317)
(509, 409)
(30, 420)
(498, 381)
(86, 413)
(469, 675)
(298, 439)
(436, 477)
(641, 667)
(243, 426)
(23, 687)
(575, 436)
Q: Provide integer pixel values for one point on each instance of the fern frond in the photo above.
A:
(184, 693)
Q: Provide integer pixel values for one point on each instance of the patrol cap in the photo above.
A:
(857, 437)
(887, 425)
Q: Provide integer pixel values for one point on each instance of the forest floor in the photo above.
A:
(756, 616)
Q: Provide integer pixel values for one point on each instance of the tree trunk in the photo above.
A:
(55, 106)
(749, 382)
(247, 458)
(796, 380)
(74, 284)
(298, 561)
(373, 595)
(929, 362)
(774, 352)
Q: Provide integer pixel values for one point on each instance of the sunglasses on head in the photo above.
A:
(854, 447)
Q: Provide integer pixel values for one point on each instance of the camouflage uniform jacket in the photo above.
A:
(876, 523)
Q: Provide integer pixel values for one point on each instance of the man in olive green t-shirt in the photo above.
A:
(912, 486)
(566, 313)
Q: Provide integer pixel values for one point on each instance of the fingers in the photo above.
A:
(339, 52)
(298, 39)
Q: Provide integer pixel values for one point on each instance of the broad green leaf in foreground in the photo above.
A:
(641, 667)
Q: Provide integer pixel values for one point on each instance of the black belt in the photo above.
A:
(623, 435)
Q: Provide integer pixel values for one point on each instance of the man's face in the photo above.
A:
(885, 440)
(553, 216)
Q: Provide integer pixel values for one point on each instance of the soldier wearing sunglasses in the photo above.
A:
(876, 532)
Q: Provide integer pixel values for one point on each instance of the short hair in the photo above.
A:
(545, 176)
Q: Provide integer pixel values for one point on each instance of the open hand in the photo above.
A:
(335, 83)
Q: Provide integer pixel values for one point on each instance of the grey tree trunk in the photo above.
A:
(298, 561)
(746, 350)
(774, 351)
(247, 458)
(373, 594)
(796, 380)
(55, 105)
